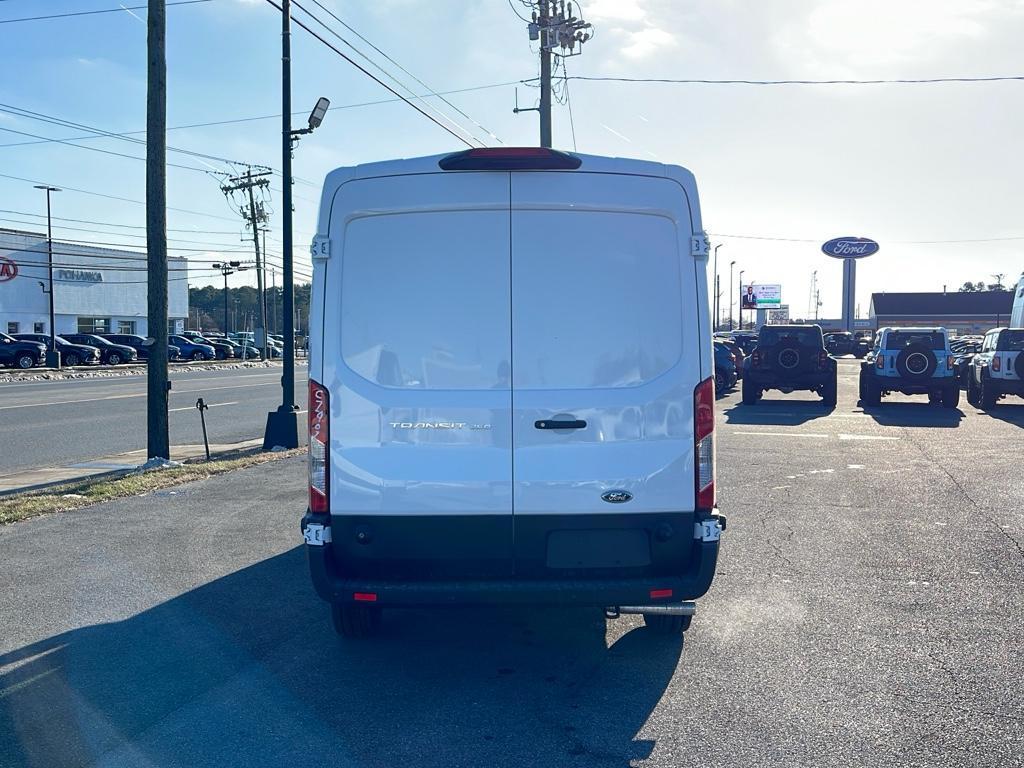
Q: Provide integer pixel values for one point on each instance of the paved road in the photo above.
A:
(867, 612)
(50, 423)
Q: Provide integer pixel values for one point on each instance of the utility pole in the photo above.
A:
(740, 308)
(731, 294)
(157, 381)
(560, 34)
(255, 215)
(715, 302)
(52, 355)
(228, 268)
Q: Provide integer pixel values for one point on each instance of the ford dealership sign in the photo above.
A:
(850, 247)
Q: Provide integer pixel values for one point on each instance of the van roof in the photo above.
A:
(429, 164)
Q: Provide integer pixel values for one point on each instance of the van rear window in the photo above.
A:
(425, 300)
(597, 299)
(902, 339)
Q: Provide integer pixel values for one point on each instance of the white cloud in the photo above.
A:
(647, 41)
(618, 10)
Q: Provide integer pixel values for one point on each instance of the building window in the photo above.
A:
(126, 327)
(94, 325)
(12, 328)
(39, 328)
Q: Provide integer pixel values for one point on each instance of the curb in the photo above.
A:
(125, 371)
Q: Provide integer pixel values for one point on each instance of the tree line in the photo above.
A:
(206, 309)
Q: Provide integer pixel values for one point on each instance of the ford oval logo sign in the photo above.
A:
(617, 496)
(850, 247)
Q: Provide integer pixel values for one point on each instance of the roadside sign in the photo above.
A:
(760, 296)
(850, 247)
(8, 269)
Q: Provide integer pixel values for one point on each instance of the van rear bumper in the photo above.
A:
(334, 587)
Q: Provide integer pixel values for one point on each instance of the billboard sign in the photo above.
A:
(778, 315)
(850, 247)
(760, 296)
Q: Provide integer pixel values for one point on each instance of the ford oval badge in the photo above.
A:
(850, 248)
(617, 496)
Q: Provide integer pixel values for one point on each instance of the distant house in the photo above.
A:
(965, 312)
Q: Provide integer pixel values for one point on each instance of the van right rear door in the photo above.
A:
(606, 330)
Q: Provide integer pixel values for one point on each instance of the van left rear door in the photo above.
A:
(417, 359)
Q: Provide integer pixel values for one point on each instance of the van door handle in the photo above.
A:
(575, 424)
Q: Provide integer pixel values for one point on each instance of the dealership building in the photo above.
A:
(95, 290)
(966, 313)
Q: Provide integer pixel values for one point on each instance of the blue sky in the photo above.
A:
(897, 163)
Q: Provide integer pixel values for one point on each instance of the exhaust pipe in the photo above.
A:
(676, 609)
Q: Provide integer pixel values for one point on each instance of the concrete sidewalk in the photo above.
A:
(120, 463)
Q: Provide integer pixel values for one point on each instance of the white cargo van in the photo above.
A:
(1017, 312)
(511, 387)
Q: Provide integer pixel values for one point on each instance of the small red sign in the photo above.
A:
(8, 269)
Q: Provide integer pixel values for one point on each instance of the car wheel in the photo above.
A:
(986, 394)
(114, 358)
(751, 394)
(721, 382)
(198, 356)
(355, 621)
(667, 625)
(830, 393)
(872, 393)
(951, 396)
(972, 388)
(25, 361)
(71, 359)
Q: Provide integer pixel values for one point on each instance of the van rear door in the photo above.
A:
(417, 360)
(605, 361)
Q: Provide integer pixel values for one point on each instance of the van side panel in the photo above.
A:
(417, 359)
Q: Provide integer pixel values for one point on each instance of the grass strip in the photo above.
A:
(77, 494)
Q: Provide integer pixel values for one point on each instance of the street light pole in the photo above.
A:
(52, 356)
(283, 424)
(714, 304)
(740, 307)
(731, 294)
(228, 268)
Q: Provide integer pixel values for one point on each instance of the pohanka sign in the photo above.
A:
(8, 269)
(850, 247)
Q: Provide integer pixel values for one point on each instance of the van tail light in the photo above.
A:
(319, 448)
(704, 443)
(997, 363)
(755, 359)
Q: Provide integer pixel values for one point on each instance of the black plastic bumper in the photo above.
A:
(334, 587)
(766, 380)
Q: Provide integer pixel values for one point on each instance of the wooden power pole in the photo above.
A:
(158, 382)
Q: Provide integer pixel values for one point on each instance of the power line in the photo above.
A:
(897, 81)
(373, 77)
(112, 224)
(120, 9)
(895, 242)
(406, 71)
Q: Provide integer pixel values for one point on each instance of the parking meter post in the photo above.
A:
(201, 407)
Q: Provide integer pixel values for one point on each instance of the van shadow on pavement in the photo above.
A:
(246, 670)
(917, 414)
(789, 413)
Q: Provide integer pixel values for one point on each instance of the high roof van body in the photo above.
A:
(511, 393)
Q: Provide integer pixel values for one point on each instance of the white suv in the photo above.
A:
(998, 369)
(914, 361)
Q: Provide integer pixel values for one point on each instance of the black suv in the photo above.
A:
(16, 353)
(846, 344)
(71, 354)
(787, 358)
(110, 353)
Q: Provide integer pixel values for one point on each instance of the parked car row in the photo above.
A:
(27, 350)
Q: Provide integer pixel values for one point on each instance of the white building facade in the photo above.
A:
(95, 290)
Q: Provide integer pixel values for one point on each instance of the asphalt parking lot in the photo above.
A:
(867, 612)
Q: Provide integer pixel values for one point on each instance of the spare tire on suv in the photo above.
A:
(916, 362)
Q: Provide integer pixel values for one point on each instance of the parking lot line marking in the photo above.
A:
(192, 407)
(867, 437)
(784, 434)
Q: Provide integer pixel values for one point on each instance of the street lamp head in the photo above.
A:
(216, 266)
(316, 117)
(235, 263)
(48, 188)
(732, 263)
